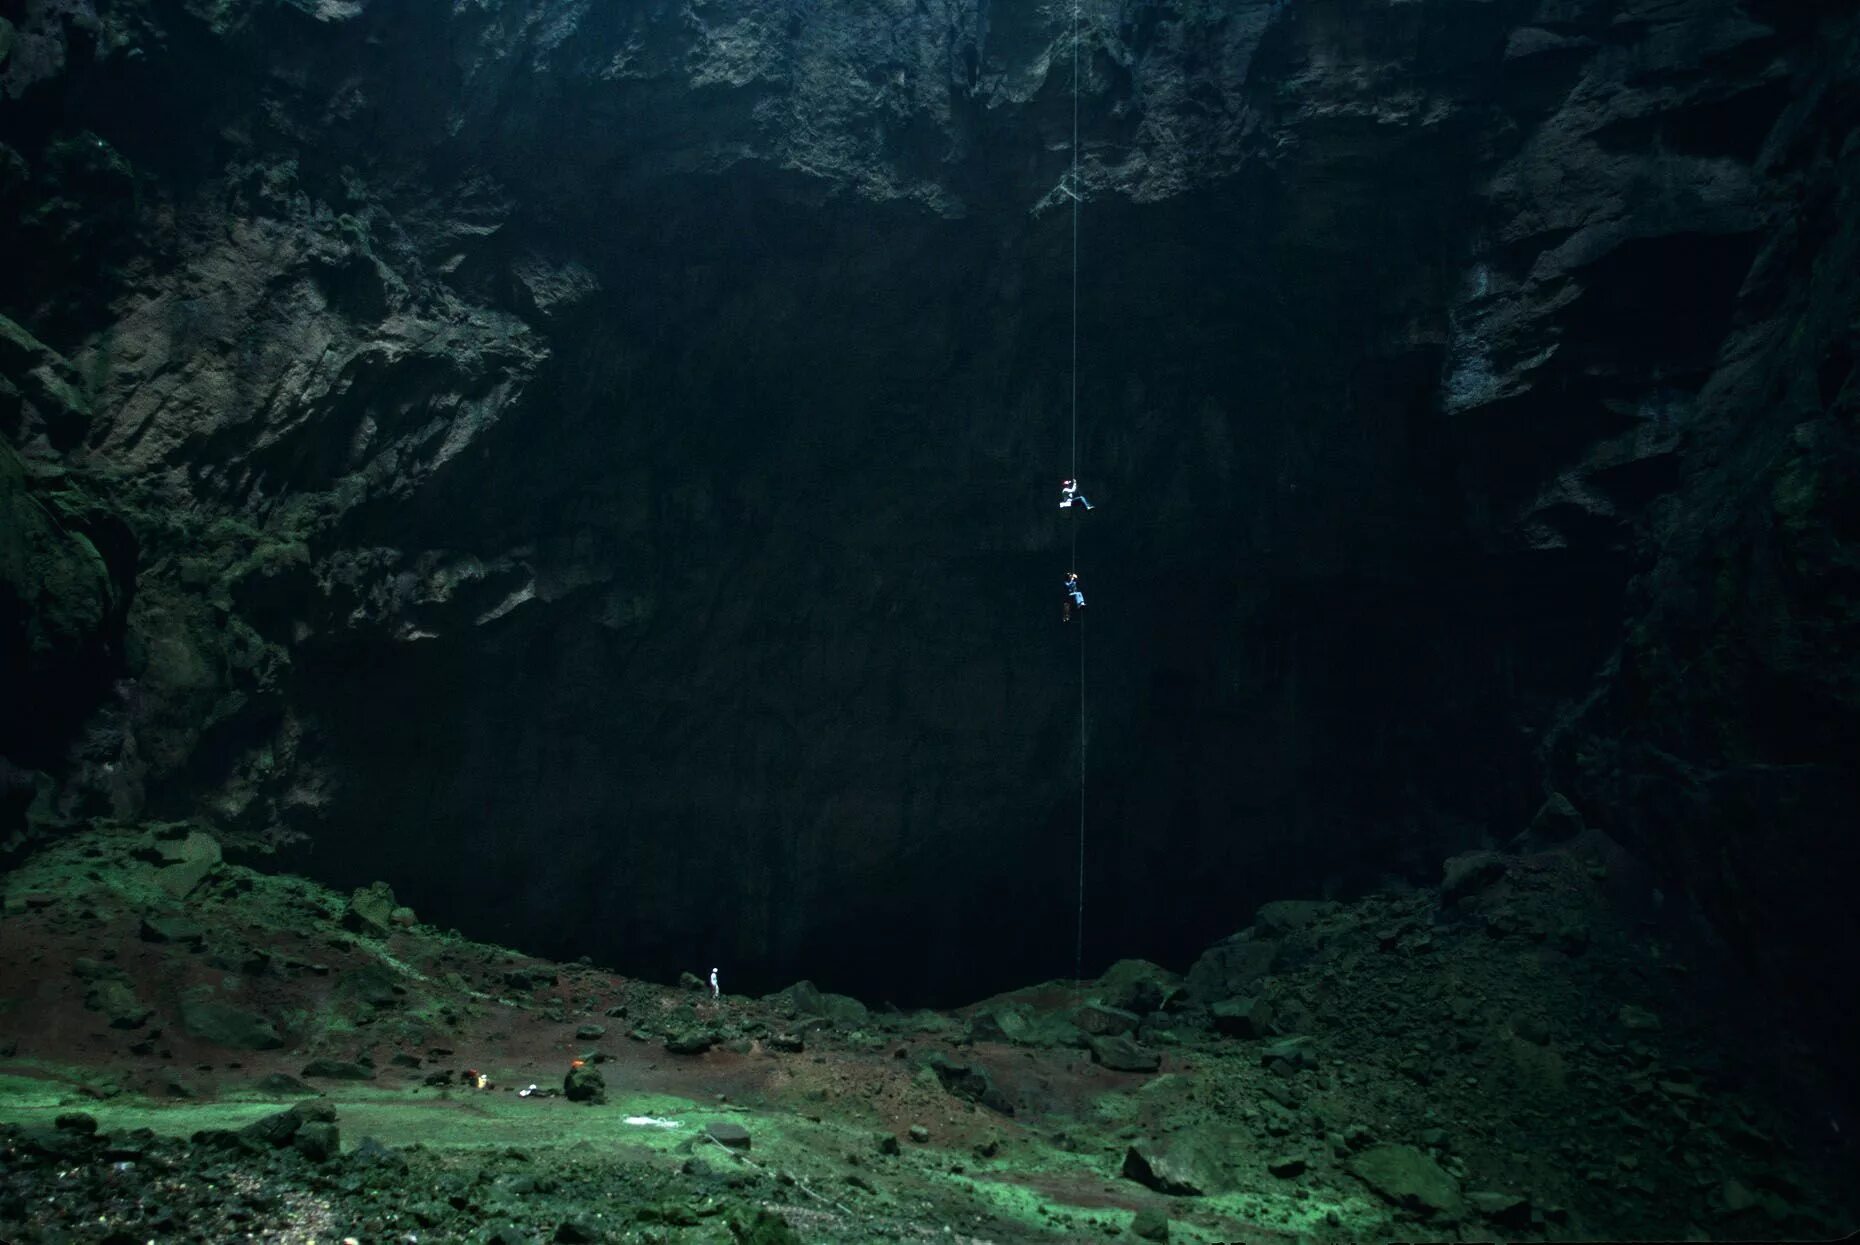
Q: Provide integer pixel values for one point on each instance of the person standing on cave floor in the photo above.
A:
(715, 991)
(1074, 602)
(1070, 496)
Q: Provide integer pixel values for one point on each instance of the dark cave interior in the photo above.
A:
(601, 483)
(507, 505)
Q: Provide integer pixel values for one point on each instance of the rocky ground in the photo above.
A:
(1534, 1050)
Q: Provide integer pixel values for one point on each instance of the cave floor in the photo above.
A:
(193, 1050)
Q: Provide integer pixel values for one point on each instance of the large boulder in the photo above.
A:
(318, 1140)
(1100, 1020)
(1469, 873)
(969, 1081)
(222, 1024)
(804, 998)
(1249, 1017)
(186, 862)
(371, 910)
(1282, 916)
(1022, 1026)
(1000, 1024)
(282, 1128)
(1187, 1165)
(1138, 986)
(692, 1041)
(338, 1070)
(728, 1133)
(1408, 1178)
(116, 999)
(1120, 1054)
(1231, 967)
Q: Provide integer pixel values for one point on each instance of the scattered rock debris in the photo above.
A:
(1344, 1071)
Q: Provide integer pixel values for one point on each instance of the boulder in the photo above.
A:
(1185, 1167)
(524, 980)
(369, 1153)
(1138, 986)
(1231, 967)
(376, 985)
(317, 1141)
(191, 860)
(1120, 1054)
(969, 1081)
(1282, 916)
(338, 1070)
(116, 999)
(1469, 873)
(1243, 1017)
(1408, 1178)
(804, 998)
(1293, 1053)
(1100, 1020)
(371, 910)
(1008, 1022)
(691, 1041)
(225, 1025)
(273, 1130)
(999, 1024)
(728, 1134)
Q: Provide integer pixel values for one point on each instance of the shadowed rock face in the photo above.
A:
(595, 465)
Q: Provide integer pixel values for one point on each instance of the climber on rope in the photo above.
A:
(1069, 495)
(1075, 597)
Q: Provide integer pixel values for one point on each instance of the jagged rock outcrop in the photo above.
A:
(591, 465)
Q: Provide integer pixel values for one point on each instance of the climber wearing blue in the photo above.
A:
(1075, 597)
(1069, 495)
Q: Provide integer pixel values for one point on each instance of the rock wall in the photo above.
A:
(593, 466)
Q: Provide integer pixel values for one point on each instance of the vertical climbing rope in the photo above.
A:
(1075, 252)
(1078, 943)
